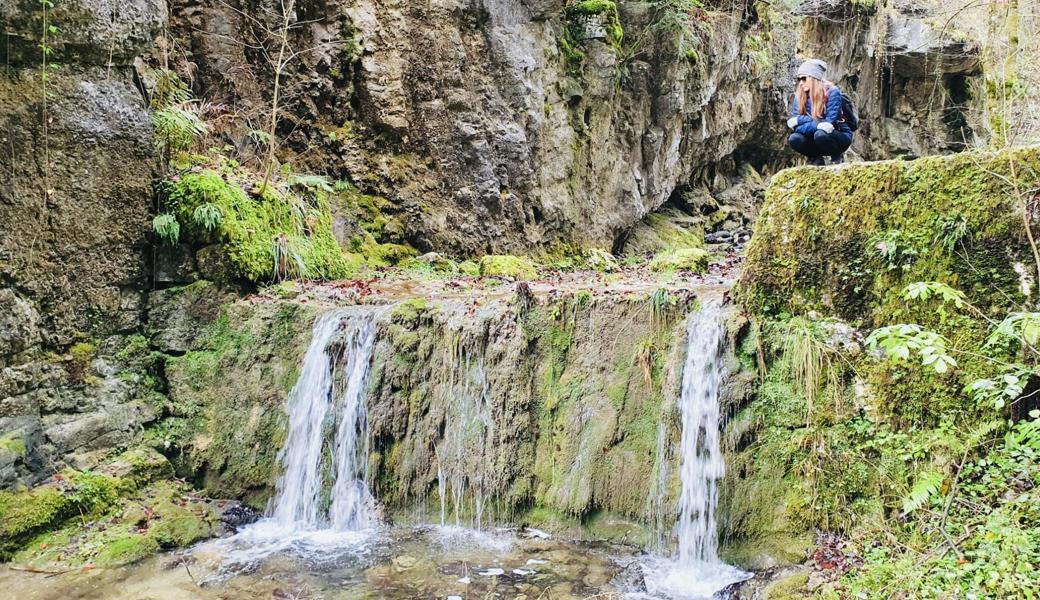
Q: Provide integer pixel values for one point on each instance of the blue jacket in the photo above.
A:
(807, 125)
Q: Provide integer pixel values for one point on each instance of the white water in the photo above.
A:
(702, 462)
(697, 572)
(328, 424)
(330, 392)
(468, 431)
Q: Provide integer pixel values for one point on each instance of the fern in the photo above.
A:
(177, 127)
(207, 216)
(311, 182)
(167, 228)
(170, 90)
(926, 487)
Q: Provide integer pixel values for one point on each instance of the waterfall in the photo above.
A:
(697, 572)
(330, 395)
(468, 430)
(702, 462)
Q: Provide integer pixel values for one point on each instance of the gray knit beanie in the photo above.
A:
(815, 68)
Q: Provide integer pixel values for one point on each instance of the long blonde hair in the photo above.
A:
(817, 92)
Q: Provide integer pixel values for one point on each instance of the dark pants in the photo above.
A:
(821, 144)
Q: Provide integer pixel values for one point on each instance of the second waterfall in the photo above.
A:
(697, 572)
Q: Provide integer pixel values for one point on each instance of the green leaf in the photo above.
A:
(927, 485)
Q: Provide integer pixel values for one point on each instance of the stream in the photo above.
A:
(322, 536)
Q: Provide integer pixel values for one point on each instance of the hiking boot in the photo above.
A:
(816, 161)
(837, 159)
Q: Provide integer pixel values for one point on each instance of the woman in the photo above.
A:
(819, 128)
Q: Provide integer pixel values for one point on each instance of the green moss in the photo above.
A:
(228, 399)
(435, 264)
(683, 259)
(285, 289)
(133, 527)
(81, 357)
(179, 526)
(669, 233)
(506, 266)
(278, 234)
(409, 311)
(847, 241)
(789, 588)
(470, 268)
(570, 41)
(13, 444)
(24, 515)
(127, 549)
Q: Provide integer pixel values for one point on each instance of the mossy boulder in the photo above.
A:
(267, 233)
(126, 549)
(161, 515)
(694, 260)
(26, 514)
(508, 267)
(602, 261)
(846, 241)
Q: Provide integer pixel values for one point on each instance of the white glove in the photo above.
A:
(792, 122)
(825, 127)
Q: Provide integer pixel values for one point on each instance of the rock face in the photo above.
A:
(506, 126)
(488, 136)
(75, 203)
(77, 159)
(916, 85)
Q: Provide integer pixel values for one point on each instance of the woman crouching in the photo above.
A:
(819, 126)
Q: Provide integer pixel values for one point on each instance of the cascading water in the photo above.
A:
(331, 389)
(467, 432)
(702, 462)
(697, 571)
(328, 433)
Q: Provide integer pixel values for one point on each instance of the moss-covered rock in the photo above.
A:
(506, 266)
(682, 259)
(791, 587)
(26, 514)
(227, 416)
(845, 241)
(133, 527)
(126, 549)
(276, 233)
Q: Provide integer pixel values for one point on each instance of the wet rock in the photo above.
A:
(214, 264)
(141, 466)
(19, 325)
(236, 515)
(79, 244)
(174, 264)
(179, 317)
(97, 32)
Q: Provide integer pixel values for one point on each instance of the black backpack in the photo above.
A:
(848, 112)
